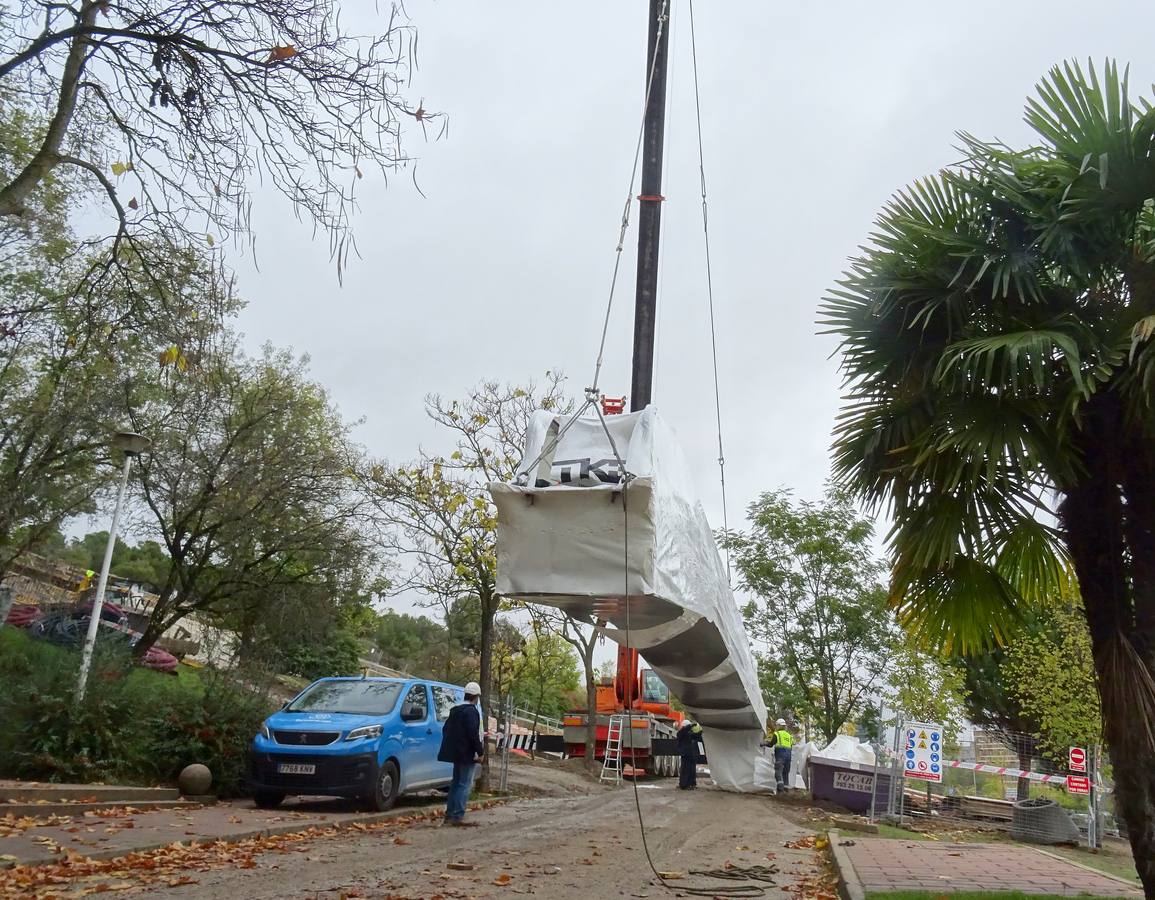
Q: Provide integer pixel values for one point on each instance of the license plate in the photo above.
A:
(296, 769)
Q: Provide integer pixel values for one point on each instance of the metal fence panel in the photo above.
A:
(999, 782)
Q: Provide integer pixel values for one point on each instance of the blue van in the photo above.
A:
(372, 738)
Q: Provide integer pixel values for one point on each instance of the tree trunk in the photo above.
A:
(488, 614)
(591, 708)
(1116, 602)
(1023, 788)
(15, 193)
(1134, 756)
(6, 598)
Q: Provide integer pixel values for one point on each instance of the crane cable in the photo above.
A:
(756, 877)
(710, 285)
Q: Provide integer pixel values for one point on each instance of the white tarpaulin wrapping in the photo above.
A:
(562, 540)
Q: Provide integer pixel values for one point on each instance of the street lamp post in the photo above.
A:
(130, 444)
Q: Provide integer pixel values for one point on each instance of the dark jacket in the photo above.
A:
(687, 739)
(461, 736)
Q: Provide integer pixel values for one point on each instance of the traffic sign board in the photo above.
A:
(1077, 759)
(1078, 784)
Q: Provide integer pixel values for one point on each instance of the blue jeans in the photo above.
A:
(782, 766)
(459, 790)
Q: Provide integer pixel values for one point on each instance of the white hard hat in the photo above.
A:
(473, 689)
(781, 722)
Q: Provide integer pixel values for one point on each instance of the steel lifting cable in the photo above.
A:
(754, 873)
(709, 283)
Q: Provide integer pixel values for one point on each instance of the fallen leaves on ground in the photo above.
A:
(78, 876)
(11, 826)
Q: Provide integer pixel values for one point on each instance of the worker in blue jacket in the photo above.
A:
(687, 739)
(461, 745)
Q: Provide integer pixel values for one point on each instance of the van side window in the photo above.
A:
(418, 700)
(443, 702)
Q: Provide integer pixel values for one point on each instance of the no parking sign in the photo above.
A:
(922, 756)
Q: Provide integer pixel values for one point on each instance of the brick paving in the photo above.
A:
(896, 865)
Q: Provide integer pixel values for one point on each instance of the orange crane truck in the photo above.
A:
(647, 744)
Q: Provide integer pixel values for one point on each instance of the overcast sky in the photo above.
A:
(814, 114)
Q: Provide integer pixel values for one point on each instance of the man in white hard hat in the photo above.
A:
(783, 742)
(461, 745)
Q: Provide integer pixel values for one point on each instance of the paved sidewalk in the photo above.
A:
(894, 865)
(121, 829)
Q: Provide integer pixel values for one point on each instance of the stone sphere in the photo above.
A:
(195, 780)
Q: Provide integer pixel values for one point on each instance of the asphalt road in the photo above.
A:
(584, 845)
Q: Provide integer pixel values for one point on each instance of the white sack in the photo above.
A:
(847, 749)
(799, 757)
(764, 778)
(733, 758)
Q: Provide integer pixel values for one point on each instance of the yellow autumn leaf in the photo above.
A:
(211, 240)
(119, 168)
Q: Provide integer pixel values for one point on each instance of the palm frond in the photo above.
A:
(1017, 363)
(1031, 558)
(964, 608)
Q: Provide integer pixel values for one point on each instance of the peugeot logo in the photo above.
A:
(304, 738)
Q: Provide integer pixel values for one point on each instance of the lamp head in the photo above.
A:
(130, 443)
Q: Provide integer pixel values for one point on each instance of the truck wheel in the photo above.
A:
(385, 790)
(268, 799)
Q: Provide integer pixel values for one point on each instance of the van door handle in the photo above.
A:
(429, 731)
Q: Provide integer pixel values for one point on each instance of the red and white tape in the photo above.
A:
(1003, 770)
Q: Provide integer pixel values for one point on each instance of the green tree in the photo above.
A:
(924, 687)
(821, 608)
(1051, 673)
(435, 514)
(249, 483)
(412, 644)
(991, 705)
(547, 675)
(145, 564)
(70, 366)
(1000, 371)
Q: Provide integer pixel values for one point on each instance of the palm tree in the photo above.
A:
(1000, 377)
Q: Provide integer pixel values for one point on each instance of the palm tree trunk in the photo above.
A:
(1116, 602)
(1135, 765)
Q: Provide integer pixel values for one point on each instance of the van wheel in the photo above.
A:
(268, 799)
(385, 790)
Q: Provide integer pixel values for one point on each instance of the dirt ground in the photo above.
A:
(575, 839)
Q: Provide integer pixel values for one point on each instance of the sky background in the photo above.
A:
(813, 116)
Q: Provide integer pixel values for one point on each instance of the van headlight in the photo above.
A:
(265, 731)
(367, 731)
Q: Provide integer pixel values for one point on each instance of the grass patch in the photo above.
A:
(1118, 864)
(979, 895)
(890, 831)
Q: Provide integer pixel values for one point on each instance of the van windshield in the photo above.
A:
(360, 698)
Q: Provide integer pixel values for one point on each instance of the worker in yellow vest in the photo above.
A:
(782, 741)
